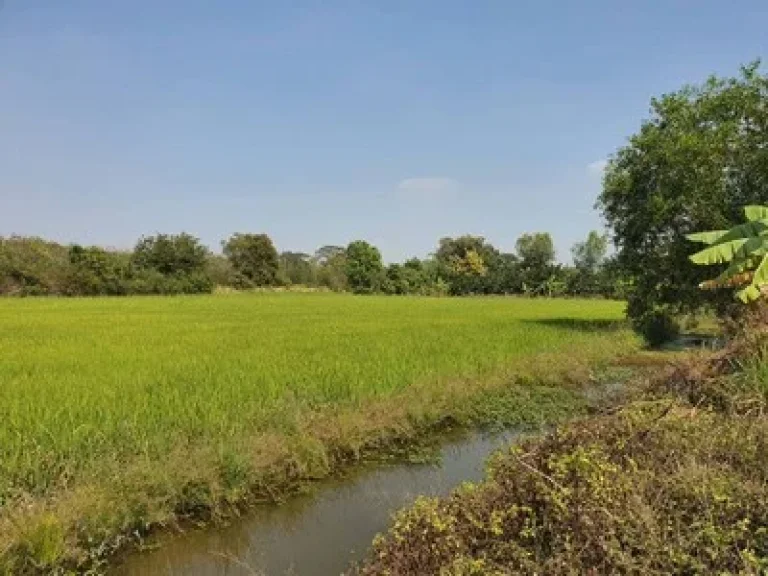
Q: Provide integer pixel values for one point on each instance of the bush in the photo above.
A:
(170, 253)
(94, 271)
(657, 327)
(254, 258)
(219, 269)
(32, 266)
(154, 282)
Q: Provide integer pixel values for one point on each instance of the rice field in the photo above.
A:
(91, 386)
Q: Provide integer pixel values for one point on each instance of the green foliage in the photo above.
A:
(170, 264)
(149, 281)
(363, 267)
(170, 254)
(95, 271)
(220, 271)
(254, 258)
(693, 164)
(592, 273)
(325, 254)
(160, 265)
(589, 255)
(537, 263)
(744, 248)
(412, 277)
(536, 249)
(32, 266)
(657, 327)
(332, 268)
(297, 268)
(465, 263)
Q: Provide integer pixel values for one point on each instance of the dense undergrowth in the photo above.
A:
(674, 479)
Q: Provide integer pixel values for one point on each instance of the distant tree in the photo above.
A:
(169, 264)
(254, 258)
(589, 257)
(464, 262)
(411, 277)
(297, 268)
(537, 262)
(324, 254)
(590, 254)
(363, 267)
(691, 166)
(416, 276)
(393, 280)
(504, 276)
(170, 254)
(32, 266)
(536, 249)
(220, 270)
(331, 263)
(97, 271)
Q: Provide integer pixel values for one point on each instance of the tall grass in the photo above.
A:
(91, 385)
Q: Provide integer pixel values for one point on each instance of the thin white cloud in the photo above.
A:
(597, 167)
(429, 184)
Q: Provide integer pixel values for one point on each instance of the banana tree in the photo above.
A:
(744, 248)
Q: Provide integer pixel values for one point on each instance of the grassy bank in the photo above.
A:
(119, 415)
(674, 480)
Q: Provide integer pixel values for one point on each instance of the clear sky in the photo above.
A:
(396, 121)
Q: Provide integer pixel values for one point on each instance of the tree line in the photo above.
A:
(181, 264)
(694, 163)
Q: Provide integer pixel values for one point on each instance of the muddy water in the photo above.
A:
(321, 533)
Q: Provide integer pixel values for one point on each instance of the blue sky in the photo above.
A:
(322, 122)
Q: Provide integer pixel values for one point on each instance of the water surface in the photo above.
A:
(318, 534)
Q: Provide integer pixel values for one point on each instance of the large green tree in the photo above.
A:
(254, 258)
(589, 275)
(32, 266)
(537, 262)
(466, 263)
(331, 263)
(364, 267)
(298, 268)
(170, 254)
(411, 277)
(694, 163)
(94, 270)
(590, 254)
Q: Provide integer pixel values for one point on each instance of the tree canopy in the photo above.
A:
(170, 264)
(254, 258)
(170, 253)
(465, 263)
(693, 164)
(537, 262)
(363, 267)
(590, 254)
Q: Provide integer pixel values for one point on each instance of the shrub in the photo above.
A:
(657, 327)
(254, 258)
